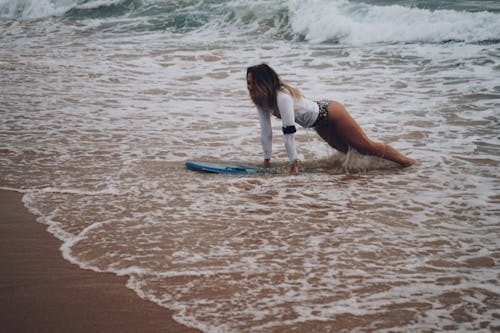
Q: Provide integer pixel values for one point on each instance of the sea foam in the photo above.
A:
(359, 23)
(317, 21)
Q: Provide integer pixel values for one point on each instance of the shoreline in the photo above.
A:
(42, 292)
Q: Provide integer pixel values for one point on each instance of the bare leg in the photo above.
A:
(328, 133)
(343, 131)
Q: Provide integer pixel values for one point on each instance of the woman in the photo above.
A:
(329, 118)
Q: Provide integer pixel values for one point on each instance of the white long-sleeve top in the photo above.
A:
(302, 111)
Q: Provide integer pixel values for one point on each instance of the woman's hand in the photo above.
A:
(294, 168)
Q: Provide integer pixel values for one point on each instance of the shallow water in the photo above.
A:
(101, 106)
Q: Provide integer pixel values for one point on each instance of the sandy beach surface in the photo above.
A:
(41, 292)
(103, 102)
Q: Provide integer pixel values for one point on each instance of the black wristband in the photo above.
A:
(289, 130)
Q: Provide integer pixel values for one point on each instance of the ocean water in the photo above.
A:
(102, 102)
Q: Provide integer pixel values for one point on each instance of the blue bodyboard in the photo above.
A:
(234, 169)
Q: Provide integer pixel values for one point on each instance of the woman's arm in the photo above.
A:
(266, 134)
(285, 106)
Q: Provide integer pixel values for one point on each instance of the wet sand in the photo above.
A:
(41, 292)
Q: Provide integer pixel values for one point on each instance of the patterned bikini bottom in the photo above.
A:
(323, 113)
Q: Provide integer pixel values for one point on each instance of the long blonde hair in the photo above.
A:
(266, 84)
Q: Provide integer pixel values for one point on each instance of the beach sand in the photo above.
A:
(41, 292)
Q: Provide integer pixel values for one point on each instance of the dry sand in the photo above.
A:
(41, 292)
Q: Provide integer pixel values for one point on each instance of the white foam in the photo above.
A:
(353, 23)
(359, 23)
(36, 9)
(109, 191)
(33, 9)
(48, 219)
